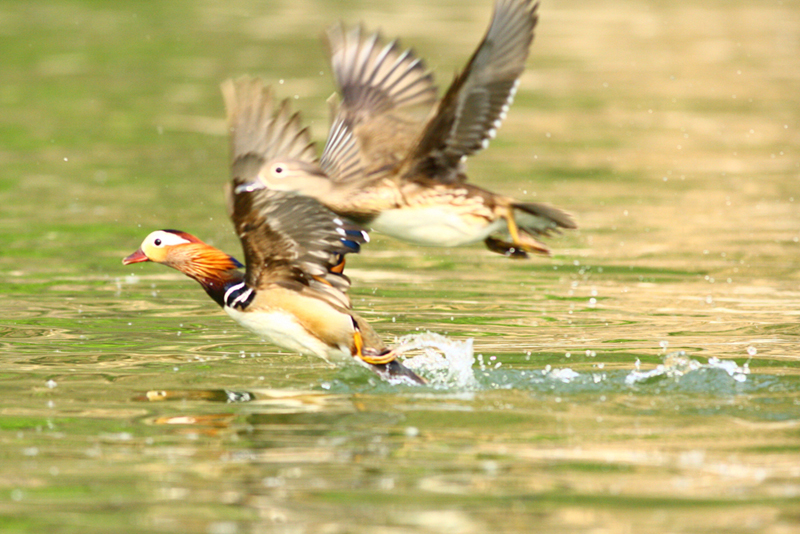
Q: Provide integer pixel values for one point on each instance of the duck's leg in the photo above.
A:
(384, 363)
(521, 239)
(512, 226)
(369, 356)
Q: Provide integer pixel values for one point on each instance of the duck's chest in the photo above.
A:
(303, 325)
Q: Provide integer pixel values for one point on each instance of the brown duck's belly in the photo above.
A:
(436, 226)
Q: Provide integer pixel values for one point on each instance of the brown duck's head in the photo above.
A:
(185, 253)
(294, 176)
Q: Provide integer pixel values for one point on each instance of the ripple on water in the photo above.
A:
(450, 364)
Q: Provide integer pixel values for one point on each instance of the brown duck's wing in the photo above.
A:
(478, 99)
(377, 82)
(341, 159)
(375, 78)
(288, 239)
(260, 128)
(293, 241)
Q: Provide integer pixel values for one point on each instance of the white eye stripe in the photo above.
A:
(167, 239)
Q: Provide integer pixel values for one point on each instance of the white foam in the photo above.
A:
(565, 375)
(444, 362)
(677, 364)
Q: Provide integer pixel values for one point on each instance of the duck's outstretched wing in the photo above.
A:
(259, 127)
(377, 83)
(288, 239)
(375, 78)
(477, 101)
(293, 241)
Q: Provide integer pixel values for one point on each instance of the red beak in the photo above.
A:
(136, 257)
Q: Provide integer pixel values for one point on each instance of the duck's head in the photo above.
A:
(159, 245)
(183, 252)
(214, 269)
(294, 176)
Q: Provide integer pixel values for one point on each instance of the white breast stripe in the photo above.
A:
(236, 287)
(242, 298)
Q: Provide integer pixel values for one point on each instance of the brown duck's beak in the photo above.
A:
(136, 257)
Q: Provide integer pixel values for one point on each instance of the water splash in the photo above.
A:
(444, 362)
(565, 375)
(677, 364)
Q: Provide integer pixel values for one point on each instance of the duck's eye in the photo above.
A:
(278, 169)
(157, 242)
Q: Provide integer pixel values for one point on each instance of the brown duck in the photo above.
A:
(406, 177)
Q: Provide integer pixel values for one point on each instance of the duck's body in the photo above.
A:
(407, 177)
(293, 291)
(435, 214)
(286, 320)
(283, 316)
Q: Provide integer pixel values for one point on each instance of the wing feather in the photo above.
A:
(288, 239)
(477, 101)
(375, 78)
(292, 240)
(377, 83)
(257, 128)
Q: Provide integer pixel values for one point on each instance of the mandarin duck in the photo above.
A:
(293, 291)
(406, 177)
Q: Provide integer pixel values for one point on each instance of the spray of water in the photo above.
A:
(444, 362)
(677, 364)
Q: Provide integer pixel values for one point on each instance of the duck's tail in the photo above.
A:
(526, 221)
(396, 372)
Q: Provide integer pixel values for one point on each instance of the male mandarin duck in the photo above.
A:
(406, 177)
(293, 290)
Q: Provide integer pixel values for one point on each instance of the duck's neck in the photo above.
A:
(217, 286)
(212, 268)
